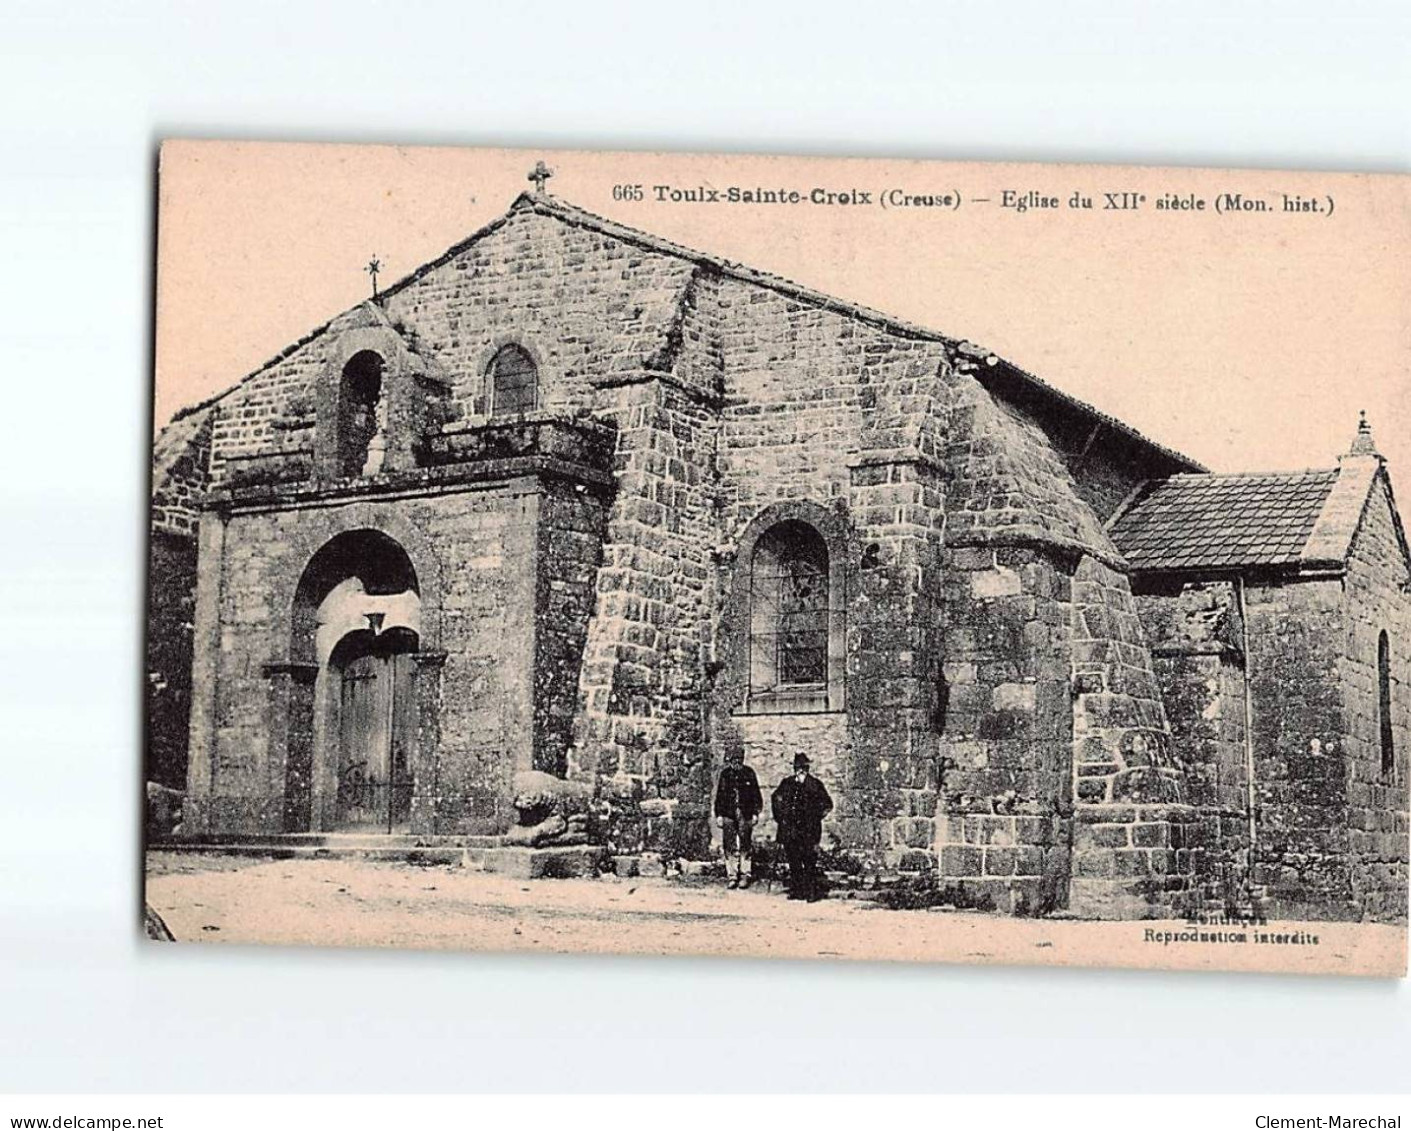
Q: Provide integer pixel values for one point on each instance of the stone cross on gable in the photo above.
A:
(539, 175)
(1363, 444)
(372, 268)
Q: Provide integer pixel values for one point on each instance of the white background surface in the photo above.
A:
(86, 91)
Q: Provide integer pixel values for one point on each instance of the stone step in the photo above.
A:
(328, 840)
(414, 854)
(486, 853)
(404, 847)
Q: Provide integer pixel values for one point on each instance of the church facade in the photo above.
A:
(574, 499)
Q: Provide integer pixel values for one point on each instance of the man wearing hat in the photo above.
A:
(799, 805)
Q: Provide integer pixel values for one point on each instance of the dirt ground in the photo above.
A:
(355, 903)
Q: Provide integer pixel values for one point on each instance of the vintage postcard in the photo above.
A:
(736, 555)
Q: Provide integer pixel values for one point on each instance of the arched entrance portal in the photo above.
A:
(351, 760)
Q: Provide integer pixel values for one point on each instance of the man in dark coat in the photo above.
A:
(799, 804)
(737, 804)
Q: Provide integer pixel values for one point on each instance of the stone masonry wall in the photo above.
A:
(473, 544)
(825, 409)
(640, 696)
(270, 415)
(1055, 726)
(171, 599)
(179, 475)
(1135, 835)
(1377, 601)
(572, 523)
(809, 391)
(895, 647)
(1197, 639)
(1008, 485)
(1005, 806)
(585, 305)
(181, 472)
(1297, 634)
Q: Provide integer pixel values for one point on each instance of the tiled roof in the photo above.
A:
(1201, 522)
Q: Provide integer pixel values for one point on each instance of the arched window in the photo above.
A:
(361, 443)
(789, 610)
(514, 382)
(1384, 703)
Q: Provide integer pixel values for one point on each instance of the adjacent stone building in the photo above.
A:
(574, 499)
(1274, 607)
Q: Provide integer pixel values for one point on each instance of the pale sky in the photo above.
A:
(1248, 342)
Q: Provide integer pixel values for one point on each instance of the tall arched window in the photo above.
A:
(361, 442)
(789, 610)
(1384, 703)
(514, 382)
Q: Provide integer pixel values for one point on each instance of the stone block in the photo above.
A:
(544, 863)
(1154, 835)
(960, 861)
(703, 869)
(1102, 836)
(1106, 899)
(998, 831)
(1028, 861)
(1094, 864)
(1013, 697)
(997, 582)
(1033, 830)
(1000, 861)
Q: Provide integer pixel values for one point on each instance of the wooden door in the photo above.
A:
(376, 717)
(363, 747)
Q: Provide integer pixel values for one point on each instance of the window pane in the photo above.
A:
(789, 608)
(1384, 703)
(514, 380)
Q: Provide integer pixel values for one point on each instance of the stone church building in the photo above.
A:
(573, 498)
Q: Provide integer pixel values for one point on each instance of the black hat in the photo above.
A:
(801, 762)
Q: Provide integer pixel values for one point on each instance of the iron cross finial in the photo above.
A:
(374, 265)
(539, 174)
(1362, 443)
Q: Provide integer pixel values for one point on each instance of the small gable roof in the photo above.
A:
(1222, 522)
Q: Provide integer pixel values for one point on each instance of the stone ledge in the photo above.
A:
(584, 442)
(403, 484)
(707, 397)
(1197, 648)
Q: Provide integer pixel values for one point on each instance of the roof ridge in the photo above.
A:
(206, 402)
(1207, 476)
(548, 205)
(572, 213)
(544, 204)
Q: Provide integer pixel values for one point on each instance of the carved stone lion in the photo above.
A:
(549, 811)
